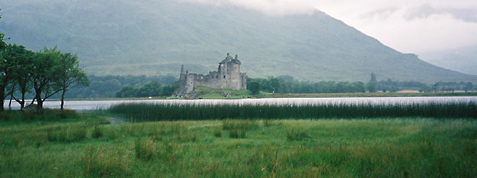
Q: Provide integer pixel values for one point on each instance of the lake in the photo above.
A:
(104, 104)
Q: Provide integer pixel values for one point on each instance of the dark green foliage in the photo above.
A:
(217, 133)
(48, 115)
(97, 132)
(229, 124)
(161, 112)
(237, 133)
(144, 149)
(150, 89)
(67, 134)
(253, 87)
(296, 135)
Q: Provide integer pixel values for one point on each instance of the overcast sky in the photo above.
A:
(409, 26)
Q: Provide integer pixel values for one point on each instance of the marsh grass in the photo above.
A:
(296, 135)
(47, 115)
(138, 112)
(382, 147)
(97, 132)
(71, 134)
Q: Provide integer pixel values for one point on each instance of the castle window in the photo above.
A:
(224, 76)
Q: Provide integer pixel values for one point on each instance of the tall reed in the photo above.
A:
(137, 112)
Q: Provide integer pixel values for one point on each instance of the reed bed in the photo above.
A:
(137, 112)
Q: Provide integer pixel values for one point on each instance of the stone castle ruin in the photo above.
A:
(227, 76)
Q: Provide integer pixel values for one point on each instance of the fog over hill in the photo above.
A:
(149, 37)
(461, 59)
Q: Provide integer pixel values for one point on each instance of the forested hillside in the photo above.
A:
(150, 37)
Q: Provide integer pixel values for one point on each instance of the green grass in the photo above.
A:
(211, 93)
(382, 147)
(138, 112)
(328, 95)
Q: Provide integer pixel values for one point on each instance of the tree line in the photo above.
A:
(43, 73)
(287, 84)
(150, 89)
(107, 86)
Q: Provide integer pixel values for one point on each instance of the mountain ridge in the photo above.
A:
(155, 37)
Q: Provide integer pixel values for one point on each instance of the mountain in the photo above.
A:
(462, 59)
(154, 37)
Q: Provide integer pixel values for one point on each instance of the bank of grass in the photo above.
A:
(334, 95)
(172, 112)
(382, 147)
(210, 93)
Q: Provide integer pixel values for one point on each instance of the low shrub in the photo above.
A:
(237, 133)
(72, 134)
(144, 149)
(296, 135)
(97, 132)
(217, 133)
(229, 124)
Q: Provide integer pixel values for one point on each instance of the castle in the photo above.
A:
(227, 76)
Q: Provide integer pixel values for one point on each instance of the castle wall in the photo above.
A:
(227, 76)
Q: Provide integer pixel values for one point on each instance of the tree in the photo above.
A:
(3, 45)
(70, 75)
(6, 74)
(373, 78)
(254, 87)
(21, 60)
(150, 89)
(44, 75)
(371, 87)
(275, 84)
(127, 91)
(469, 86)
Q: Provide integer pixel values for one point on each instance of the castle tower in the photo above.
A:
(227, 76)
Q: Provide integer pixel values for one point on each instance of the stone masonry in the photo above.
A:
(227, 76)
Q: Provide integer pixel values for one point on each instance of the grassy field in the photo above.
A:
(87, 146)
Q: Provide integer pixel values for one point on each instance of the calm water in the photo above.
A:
(101, 104)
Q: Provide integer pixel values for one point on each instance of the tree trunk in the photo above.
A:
(39, 106)
(2, 98)
(62, 103)
(22, 102)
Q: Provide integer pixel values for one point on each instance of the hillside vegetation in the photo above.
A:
(150, 37)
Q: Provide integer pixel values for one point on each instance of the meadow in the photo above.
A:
(87, 145)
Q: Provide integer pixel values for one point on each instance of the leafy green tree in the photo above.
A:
(150, 89)
(3, 45)
(127, 91)
(21, 59)
(373, 78)
(168, 90)
(469, 86)
(45, 74)
(275, 84)
(70, 75)
(254, 87)
(6, 74)
(371, 87)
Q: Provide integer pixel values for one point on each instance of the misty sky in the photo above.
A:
(409, 26)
